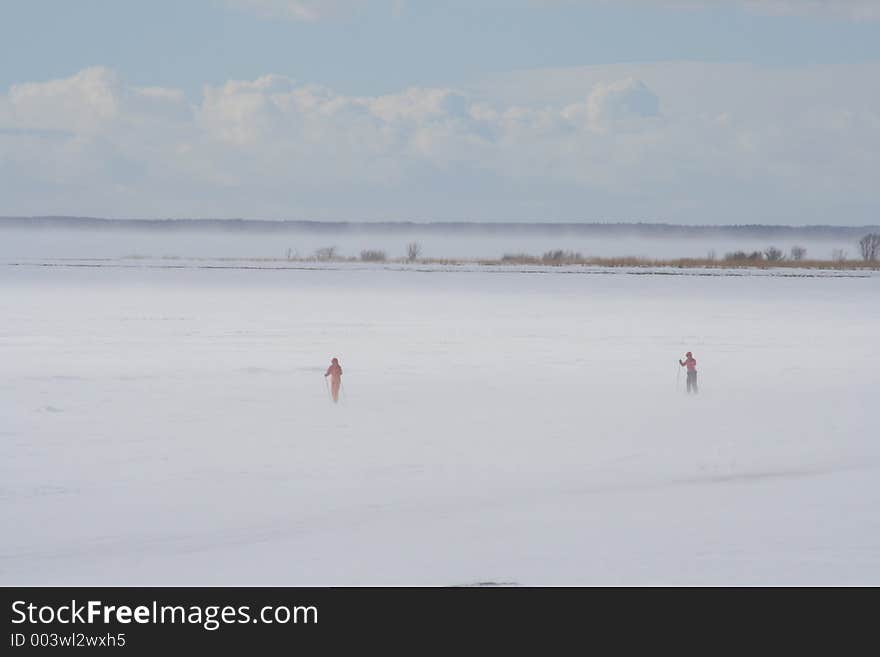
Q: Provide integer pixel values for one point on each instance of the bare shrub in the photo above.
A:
(373, 255)
(772, 254)
(559, 257)
(620, 261)
(326, 253)
(798, 253)
(839, 255)
(413, 251)
(742, 256)
(519, 259)
(869, 247)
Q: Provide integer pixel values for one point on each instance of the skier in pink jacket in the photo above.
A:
(335, 374)
(691, 364)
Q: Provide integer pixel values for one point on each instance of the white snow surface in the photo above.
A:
(167, 426)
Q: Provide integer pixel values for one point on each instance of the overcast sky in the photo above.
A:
(688, 111)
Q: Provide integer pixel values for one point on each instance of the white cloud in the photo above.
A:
(313, 10)
(298, 10)
(82, 102)
(687, 142)
(621, 99)
(318, 10)
(90, 102)
(868, 10)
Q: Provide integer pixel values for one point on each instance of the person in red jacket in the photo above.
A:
(335, 374)
(691, 364)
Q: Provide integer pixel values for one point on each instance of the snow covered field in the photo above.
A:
(172, 426)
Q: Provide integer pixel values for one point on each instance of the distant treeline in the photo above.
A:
(444, 228)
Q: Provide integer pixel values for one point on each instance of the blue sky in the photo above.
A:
(698, 112)
(380, 48)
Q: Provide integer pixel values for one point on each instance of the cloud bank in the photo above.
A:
(858, 10)
(314, 10)
(299, 10)
(692, 143)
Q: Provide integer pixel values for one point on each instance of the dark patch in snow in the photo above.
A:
(725, 478)
(489, 583)
(746, 477)
(491, 269)
(36, 491)
(258, 370)
(57, 377)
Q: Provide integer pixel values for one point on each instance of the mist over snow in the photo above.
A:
(116, 240)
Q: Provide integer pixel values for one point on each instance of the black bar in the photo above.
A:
(417, 620)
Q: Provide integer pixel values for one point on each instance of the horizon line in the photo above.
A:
(423, 223)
